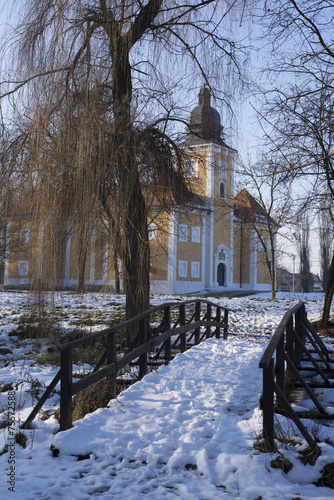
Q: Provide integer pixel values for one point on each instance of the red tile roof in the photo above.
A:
(247, 208)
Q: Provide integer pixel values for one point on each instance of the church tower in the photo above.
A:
(213, 179)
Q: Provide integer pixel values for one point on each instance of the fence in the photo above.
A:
(191, 317)
(293, 341)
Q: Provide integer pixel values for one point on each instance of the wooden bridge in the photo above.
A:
(159, 334)
(295, 354)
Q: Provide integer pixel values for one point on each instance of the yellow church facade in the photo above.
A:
(200, 246)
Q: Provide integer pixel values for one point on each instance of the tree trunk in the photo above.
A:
(273, 268)
(82, 262)
(135, 253)
(324, 260)
(138, 259)
(273, 291)
(116, 271)
(328, 294)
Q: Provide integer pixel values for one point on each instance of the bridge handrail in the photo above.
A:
(280, 363)
(101, 333)
(68, 388)
(275, 339)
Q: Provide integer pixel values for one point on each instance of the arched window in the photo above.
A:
(222, 190)
(222, 169)
(152, 231)
(191, 168)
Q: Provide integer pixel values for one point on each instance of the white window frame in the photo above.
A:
(196, 234)
(23, 268)
(24, 237)
(183, 232)
(195, 269)
(191, 168)
(222, 169)
(152, 231)
(183, 269)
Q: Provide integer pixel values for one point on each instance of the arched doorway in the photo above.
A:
(222, 266)
(221, 274)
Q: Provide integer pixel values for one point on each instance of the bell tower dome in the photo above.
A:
(204, 120)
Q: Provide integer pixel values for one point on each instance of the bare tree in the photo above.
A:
(329, 292)
(271, 191)
(6, 194)
(11, 182)
(302, 133)
(299, 111)
(326, 232)
(90, 74)
(303, 242)
(301, 37)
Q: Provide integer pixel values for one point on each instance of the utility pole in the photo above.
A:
(293, 272)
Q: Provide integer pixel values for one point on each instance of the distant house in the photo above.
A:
(197, 246)
(285, 281)
(316, 283)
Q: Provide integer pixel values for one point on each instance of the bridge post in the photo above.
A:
(280, 375)
(268, 405)
(208, 318)
(299, 332)
(225, 323)
(168, 342)
(183, 338)
(142, 340)
(290, 349)
(197, 318)
(66, 361)
(218, 321)
(111, 358)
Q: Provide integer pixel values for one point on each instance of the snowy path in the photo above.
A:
(166, 436)
(184, 432)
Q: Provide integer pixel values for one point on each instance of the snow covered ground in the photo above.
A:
(186, 431)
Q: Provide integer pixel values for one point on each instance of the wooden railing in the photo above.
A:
(294, 339)
(190, 318)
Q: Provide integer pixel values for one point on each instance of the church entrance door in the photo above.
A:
(221, 274)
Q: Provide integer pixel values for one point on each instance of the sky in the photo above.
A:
(187, 431)
(249, 136)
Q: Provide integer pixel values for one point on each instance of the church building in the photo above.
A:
(210, 245)
(194, 247)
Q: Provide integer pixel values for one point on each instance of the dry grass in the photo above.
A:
(92, 398)
(327, 478)
(325, 331)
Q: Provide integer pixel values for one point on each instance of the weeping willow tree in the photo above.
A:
(8, 188)
(97, 82)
